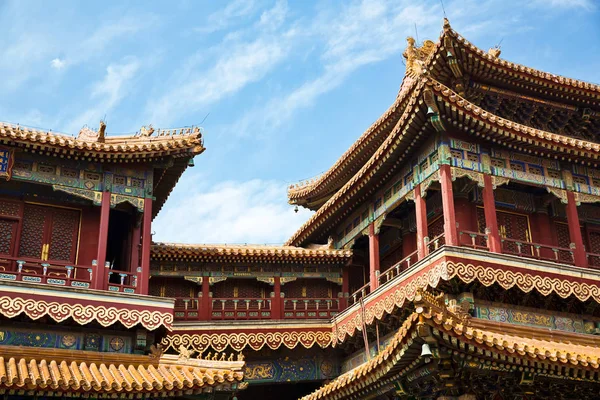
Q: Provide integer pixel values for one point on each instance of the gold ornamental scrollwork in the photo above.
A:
(561, 194)
(10, 307)
(499, 181)
(472, 175)
(586, 198)
(201, 342)
(435, 177)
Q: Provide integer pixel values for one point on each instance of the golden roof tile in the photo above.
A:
(574, 349)
(204, 251)
(166, 142)
(24, 369)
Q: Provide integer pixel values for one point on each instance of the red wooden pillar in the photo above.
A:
(276, 302)
(450, 233)
(206, 302)
(373, 258)
(101, 273)
(491, 221)
(345, 287)
(146, 243)
(421, 216)
(575, 231)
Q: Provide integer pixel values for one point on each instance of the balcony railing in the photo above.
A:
(13, 269)
(236, 308)
(397, 268)
(121, 281)
(474, 240)
(303, 308)
(537, 250)
(187, 308)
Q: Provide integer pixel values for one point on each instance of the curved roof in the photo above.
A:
(480, 338)
(101, 373)
(177, 251)
(412, 125)
(174, 142)
(314, 193)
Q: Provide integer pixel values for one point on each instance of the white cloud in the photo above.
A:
(231, 212)
(273, 18)
(227, 16)
(236, 66)
(57, 63)
(106, 93)
(587, 5)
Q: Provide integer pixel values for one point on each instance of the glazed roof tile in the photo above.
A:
(176, 250)
(102, 376)
(166, 142)
(550, 349)
(510, 129)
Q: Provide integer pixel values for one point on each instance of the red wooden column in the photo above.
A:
(345, 287)
(206, 301)
(146, 243)
(575, 231)
(101, 273)
(489, 209)
(373, 258)
(421, 216)
(450, 233)
(276, 302)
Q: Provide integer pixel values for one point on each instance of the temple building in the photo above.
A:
(454, 253)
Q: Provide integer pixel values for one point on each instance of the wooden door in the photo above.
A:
(516, 227)
(511, 225)
(49, 234)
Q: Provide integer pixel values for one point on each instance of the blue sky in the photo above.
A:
(287, 85)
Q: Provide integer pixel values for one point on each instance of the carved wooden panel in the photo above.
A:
(63, 235)
(9, 208)
(32, 235)
(8, 230)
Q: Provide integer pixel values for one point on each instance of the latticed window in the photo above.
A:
(517, 166)
(582, 180)
(497, 162)
(552, 173)
(473, 157)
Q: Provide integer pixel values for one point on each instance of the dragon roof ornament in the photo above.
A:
(416, 56)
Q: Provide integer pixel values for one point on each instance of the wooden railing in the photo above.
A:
(435, 243)
(13, 269)
(187, 308)
(397, 268)
(359, 294)
(537, 250)
(121, 281)
(237, 308)
(304, 308)
(475, 240)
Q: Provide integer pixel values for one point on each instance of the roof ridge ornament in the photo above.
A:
(494, 51)
(416, 56)
(86, 134)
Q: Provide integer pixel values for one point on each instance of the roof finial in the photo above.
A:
(447, 26)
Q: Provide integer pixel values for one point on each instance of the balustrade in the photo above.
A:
(121, 281)
(537, 251)
(13, 269)
(474, 240)
(397, 268)
(187, 308)
(236, 308)
(302, 308)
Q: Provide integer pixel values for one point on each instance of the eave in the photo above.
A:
(479, 64)
(246, 253)
(410, 130)
(111, 149)
(314, 193)
(462, 114)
